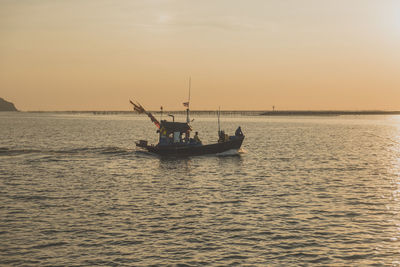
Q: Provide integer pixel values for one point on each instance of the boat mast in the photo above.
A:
(219, 125)
(188, 103)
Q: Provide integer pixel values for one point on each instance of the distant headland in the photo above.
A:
(6, 106)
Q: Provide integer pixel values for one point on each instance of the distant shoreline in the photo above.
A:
(327, 113)
(241, 112)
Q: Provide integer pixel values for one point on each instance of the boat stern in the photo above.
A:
(142, 143)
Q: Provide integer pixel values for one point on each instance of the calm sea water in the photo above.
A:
(304, 191)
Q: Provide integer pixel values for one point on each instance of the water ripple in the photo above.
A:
(309, 192)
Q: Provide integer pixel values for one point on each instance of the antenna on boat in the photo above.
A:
(186, 104)
(219, 124)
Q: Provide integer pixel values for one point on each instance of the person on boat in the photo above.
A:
(163, 131)
(163, 136)
(196, 138)
(221, 137)
(170, 138)
(239, 132)
(187, 136)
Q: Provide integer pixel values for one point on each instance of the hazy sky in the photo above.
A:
(95, 55)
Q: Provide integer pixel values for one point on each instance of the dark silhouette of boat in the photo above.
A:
(175, 139)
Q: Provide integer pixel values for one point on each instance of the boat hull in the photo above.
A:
(193, 150)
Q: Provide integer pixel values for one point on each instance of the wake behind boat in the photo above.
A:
(175, 138)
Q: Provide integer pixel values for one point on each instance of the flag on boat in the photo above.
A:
(186, 104)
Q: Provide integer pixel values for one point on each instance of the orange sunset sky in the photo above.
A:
(245, 55)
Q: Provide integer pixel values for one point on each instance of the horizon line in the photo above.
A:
(233, 110)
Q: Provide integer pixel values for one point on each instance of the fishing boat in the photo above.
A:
(174, 140)
(175, 137)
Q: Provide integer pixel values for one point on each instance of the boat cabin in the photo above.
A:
(174, 133)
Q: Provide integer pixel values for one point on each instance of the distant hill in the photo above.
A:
(6, 106)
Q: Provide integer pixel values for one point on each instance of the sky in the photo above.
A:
(240, 55)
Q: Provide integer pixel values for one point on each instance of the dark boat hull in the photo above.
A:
(194, 150)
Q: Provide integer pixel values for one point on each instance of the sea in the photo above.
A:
(302, 191)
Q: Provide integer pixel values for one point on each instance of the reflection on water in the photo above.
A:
(304, 191)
